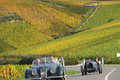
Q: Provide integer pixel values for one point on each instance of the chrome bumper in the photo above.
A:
(45, 78)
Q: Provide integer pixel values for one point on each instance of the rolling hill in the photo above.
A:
(25, 23)
(100, 39)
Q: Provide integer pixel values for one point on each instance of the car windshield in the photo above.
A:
(43, 61)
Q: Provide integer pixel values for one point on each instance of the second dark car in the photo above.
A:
(91, 66)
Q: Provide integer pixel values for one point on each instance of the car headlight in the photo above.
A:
(52, 70)
(34, 72)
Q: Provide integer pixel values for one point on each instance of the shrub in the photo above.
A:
(112, 60)
(27, 60)
(9, 71)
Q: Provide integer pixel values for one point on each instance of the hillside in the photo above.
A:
(108, 15)
(101, 40)
(26, 23)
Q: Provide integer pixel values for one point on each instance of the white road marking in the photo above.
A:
(106, 78)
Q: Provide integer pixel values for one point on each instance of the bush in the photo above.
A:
(112, 60)
(27, 60)
(9, 71)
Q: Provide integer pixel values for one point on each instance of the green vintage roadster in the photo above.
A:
(42, 69)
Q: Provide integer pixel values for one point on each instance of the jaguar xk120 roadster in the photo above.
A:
(46, 70)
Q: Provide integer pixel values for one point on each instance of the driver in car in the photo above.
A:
(52, 61)
(96, 60)
(38, 61)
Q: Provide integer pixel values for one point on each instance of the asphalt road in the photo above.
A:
(110, 72)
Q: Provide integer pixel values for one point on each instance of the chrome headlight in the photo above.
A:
(52, 70)
(34, 72)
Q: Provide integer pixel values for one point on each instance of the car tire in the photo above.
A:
(60, 79)
(64, 79)
(82, 70)
(85, 72)
(100, 69)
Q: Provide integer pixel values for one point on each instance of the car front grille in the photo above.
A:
(90, 65)
(43, 72)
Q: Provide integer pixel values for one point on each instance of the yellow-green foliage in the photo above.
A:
(12, 71)
(69, 42)
(82, 2)
(19, 34)
(108, 14)
(9, 71)
(84, 44)
(39, 14)
(89, 17)
(39, 22)
(97, 41)
(21, 69)
(73, 2)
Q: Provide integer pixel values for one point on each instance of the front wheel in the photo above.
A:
(100, 69)
(63, 79)
(85, 72)
(82, 70)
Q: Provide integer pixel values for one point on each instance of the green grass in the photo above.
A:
(72, 72)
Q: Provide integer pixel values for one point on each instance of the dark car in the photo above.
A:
(46, 71)
(91, 66)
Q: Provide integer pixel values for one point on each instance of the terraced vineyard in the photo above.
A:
(103, 40)
(29, 22)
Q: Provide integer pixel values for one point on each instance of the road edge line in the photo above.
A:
(106, 78)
